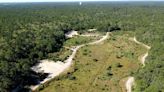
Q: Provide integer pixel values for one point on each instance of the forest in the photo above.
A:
(29, 31)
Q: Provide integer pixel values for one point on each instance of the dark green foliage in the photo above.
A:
(109, 73)
(109, 68)
(23, 42)
(71, 77)
(118, 65)
(95, 60)
(28, 32)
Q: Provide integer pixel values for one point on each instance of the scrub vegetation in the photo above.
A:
(100, 67)
(78, 40)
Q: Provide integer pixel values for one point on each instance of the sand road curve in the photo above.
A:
(143, 58)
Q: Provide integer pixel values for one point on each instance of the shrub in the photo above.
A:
(109, 68)
(95, 60)
(85, 53)
(109, 74)
(119, 55)
(118, 65)
(71, 77)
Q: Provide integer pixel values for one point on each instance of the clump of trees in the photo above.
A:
(109, 28)
(21, 50)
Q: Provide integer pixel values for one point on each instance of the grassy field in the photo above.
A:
(101, 68)
(78, 40)
(60, 56)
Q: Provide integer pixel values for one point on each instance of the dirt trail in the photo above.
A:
(130, 80)
(146, 46)
(143, 58)
(56, 68)
(89, 35)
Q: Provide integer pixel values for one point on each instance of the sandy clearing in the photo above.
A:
(71, 34)
(56, 68)
(129, 84)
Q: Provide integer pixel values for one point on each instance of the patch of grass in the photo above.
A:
(60, 56)
(102, 70)
(78, 40)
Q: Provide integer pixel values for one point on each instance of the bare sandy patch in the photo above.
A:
(129, 84)
(71, 34)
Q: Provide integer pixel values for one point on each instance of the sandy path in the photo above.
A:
(99, 41)
(146, 46)
(89, 35)
(130, 81)
(56, 68)
(143, 58)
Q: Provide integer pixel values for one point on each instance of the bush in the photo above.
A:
(119, 55)
(118, 65)
(41, 87)
(85, 53)
(95, 60)
(109, 74)
(71, 77)
(109, 68)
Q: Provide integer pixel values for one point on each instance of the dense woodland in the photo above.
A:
(28, 32)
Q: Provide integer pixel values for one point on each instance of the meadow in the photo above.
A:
(101, 67)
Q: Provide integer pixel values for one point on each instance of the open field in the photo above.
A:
(78, 40)
(59, 56)
(101, 67)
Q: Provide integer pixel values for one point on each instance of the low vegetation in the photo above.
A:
(100, 69)
(60, 55)
(78, 40)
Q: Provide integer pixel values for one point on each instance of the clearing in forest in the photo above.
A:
(100, 67)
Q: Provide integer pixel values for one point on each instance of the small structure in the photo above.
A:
(71, 34)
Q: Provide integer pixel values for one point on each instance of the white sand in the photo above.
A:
(143, 58)
(71, 34)
(89, 35)
(129, 84)
(90, 30)
(56, 68)
(146, 46)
